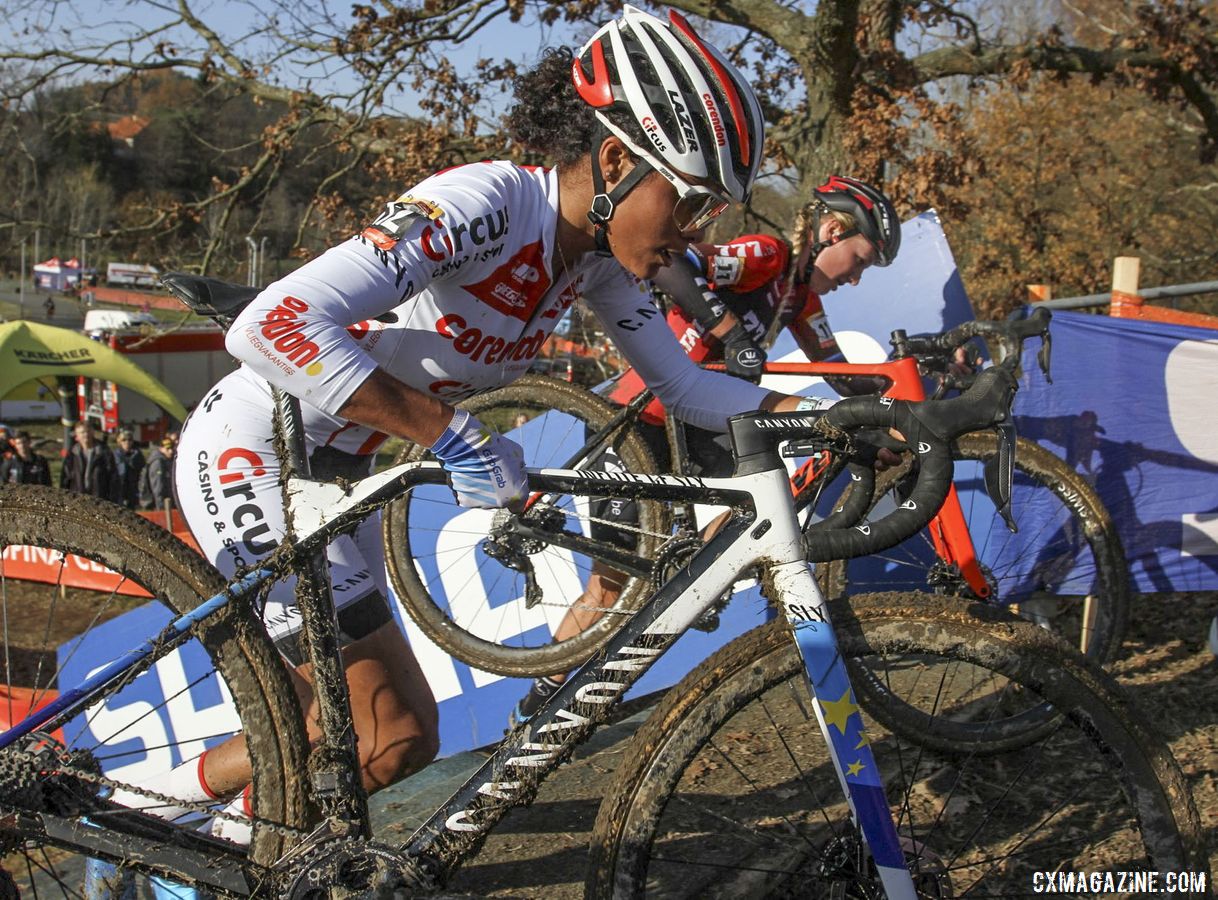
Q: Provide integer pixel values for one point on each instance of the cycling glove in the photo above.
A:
(486, 470)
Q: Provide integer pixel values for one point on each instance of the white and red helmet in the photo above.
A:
(673, 98)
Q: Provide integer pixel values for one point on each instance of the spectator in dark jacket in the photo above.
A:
(24, 466)
(129, 462)
(89, 466)
(6, 443)
(156, 484)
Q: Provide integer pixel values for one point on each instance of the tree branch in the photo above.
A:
(948, 61)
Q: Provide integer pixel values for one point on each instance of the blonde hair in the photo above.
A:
(804, 220)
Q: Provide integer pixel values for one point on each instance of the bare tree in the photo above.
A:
(863, 85)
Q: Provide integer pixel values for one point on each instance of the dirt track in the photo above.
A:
(541, 850)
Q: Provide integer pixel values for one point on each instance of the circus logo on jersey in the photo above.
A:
(516, 287)
(439, 242)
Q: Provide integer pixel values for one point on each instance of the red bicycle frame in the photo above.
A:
(949, 532)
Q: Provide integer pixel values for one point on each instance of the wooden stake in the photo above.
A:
(1126, 303)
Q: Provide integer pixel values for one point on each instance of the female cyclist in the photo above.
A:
(452, 291)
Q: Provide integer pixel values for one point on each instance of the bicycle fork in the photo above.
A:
(841, 723)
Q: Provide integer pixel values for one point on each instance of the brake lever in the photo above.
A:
(1043, 354)
(1000, 473)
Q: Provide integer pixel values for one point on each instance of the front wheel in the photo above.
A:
(463, 574)
(728, 789)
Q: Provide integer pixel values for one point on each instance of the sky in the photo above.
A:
(98, 22)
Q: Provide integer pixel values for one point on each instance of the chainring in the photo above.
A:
(343, 867)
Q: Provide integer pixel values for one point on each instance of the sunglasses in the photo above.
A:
(697, 205)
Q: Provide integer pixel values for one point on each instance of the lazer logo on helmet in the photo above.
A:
(712, 110)
(489, 227)
(653, 132)
(683, 119)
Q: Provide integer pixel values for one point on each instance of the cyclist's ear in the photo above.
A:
(830, 227)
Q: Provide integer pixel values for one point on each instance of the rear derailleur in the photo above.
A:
(514, 537)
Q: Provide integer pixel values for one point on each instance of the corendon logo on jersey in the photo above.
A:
(712, 110)
(439, 242)
(285, 329)
(517, 286)
(487, 348)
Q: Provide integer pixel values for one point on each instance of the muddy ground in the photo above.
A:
(541, 851)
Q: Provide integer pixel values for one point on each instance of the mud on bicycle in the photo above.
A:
(59, 762)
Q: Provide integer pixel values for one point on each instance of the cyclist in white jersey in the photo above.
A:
(452, 291)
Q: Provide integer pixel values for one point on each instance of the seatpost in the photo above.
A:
(334, 768)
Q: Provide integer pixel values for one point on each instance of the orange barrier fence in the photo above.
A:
(1128, 301)
(17, 702)
(40, 564)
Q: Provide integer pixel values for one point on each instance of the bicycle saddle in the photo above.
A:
(219, 300)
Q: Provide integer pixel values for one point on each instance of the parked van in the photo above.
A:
(111, 320)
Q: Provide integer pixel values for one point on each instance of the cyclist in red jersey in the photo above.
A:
(725, 300)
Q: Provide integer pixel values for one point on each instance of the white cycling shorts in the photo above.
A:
(227, 478)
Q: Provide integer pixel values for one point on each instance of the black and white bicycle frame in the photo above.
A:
(762, 533)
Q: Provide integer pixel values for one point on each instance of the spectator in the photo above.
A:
(89, 466)
(129, 461)
(24, 466)
(6, 445)
(156, 484)
(49, 306)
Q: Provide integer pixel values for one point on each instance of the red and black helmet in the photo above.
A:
(673, 99)
(872, 210)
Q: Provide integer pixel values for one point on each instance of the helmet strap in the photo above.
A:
(605, 204)
(814, 249)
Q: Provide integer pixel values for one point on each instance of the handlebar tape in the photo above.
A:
(855, 501)
(928, 428)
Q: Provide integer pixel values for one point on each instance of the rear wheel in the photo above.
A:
(728, 790)
(460, 573)
(75, 578)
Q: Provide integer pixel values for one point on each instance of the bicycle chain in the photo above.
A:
(7, 770)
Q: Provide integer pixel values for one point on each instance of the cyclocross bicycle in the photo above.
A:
(532, 567)
(862, 813)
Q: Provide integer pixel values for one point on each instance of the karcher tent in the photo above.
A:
(29, 350)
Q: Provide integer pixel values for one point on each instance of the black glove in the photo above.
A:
(744, 359)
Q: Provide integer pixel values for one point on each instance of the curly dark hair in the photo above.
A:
(549, 117)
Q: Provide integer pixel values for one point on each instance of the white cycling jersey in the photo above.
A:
(452, 291)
